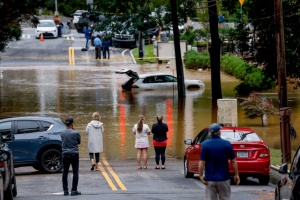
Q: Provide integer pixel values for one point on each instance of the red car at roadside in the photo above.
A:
(252, 154)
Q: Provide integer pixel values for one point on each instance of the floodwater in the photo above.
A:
(78, 91)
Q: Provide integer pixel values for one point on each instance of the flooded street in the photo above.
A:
(78, 91)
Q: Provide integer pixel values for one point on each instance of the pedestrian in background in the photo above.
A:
(98, 46)
(87, 34)
(214, 157)
(106, 44)
(159, 131)
(70, 156)
(94, 130)
(141, 132)
(59, 25)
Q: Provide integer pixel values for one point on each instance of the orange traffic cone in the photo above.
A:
(41, 37)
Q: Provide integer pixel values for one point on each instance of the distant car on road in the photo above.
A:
(157, 81)
(289, 186)
(46, 27)
(252, 154)
(37, 141)
(76, 16)
(8, 184)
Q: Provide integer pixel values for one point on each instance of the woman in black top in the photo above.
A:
(159, 131)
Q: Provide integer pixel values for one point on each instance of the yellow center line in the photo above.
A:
(108, 180)
(111, 171)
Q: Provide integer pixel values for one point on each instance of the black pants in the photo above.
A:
(105, 50)
(97, 156)
(97, 52)
(160, 154)
(70, 159)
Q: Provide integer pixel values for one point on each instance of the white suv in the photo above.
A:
(76, 16)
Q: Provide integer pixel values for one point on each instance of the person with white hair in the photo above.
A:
(94, 130)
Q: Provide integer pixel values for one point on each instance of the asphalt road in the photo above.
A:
(120, 179)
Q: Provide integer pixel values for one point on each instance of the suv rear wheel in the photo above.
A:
(51, 161)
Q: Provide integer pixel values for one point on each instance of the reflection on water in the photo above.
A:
(80, 91)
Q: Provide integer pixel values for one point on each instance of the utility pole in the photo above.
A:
(179, 65)
(284, 111)
(214, 51)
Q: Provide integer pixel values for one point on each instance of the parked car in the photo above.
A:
(124, 40)
(289, 186)
(8, 184)
(76, 15)
(252, 154)
(157, 81)
(37, 141)
(46, 27)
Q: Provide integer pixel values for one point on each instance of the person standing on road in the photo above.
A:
(70, 156)
(58, 24)
(94, 130)
(214, 157)
(98, 46)
(159, 131)
(106, 44)
(141, 132)
(87, 34)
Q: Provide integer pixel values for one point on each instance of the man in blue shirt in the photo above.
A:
(70, 156)
(214, 157)
(87, 34)
(97, 44)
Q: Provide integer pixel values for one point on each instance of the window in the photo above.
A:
(28, 127)
(149, 80)
(171, 79)
(46, 125)
(240, 136)
(5, 128)
(201, 137)
(160, 79)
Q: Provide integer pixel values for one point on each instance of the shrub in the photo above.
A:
(195, 60)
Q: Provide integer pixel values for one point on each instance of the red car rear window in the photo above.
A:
(240, 136)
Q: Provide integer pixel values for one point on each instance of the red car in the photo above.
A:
(252, 155)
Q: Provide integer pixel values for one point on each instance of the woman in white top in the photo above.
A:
(141, 132)
(94, 130)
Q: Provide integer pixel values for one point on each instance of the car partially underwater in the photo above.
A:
(156, 81)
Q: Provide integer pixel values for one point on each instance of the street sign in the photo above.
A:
(242, 2)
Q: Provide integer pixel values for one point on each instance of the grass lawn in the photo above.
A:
(276, 156)
(149, 56)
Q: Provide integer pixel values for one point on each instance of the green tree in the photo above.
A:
(261, 14)
(12, 13)
(255, 106)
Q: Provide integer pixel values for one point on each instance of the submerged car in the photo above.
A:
(37, 141)
(289, 186)
(252, 154)
(46, 27)
(158, 81)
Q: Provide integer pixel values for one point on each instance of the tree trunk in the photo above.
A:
(214, 51)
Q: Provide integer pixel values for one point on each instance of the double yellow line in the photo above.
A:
(112, 173)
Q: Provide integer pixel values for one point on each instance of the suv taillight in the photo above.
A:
(1, 164)
(134, 86)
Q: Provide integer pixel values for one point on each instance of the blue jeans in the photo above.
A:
(70, 159)
(87, 43)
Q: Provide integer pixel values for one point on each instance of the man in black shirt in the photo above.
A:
(70, 154)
